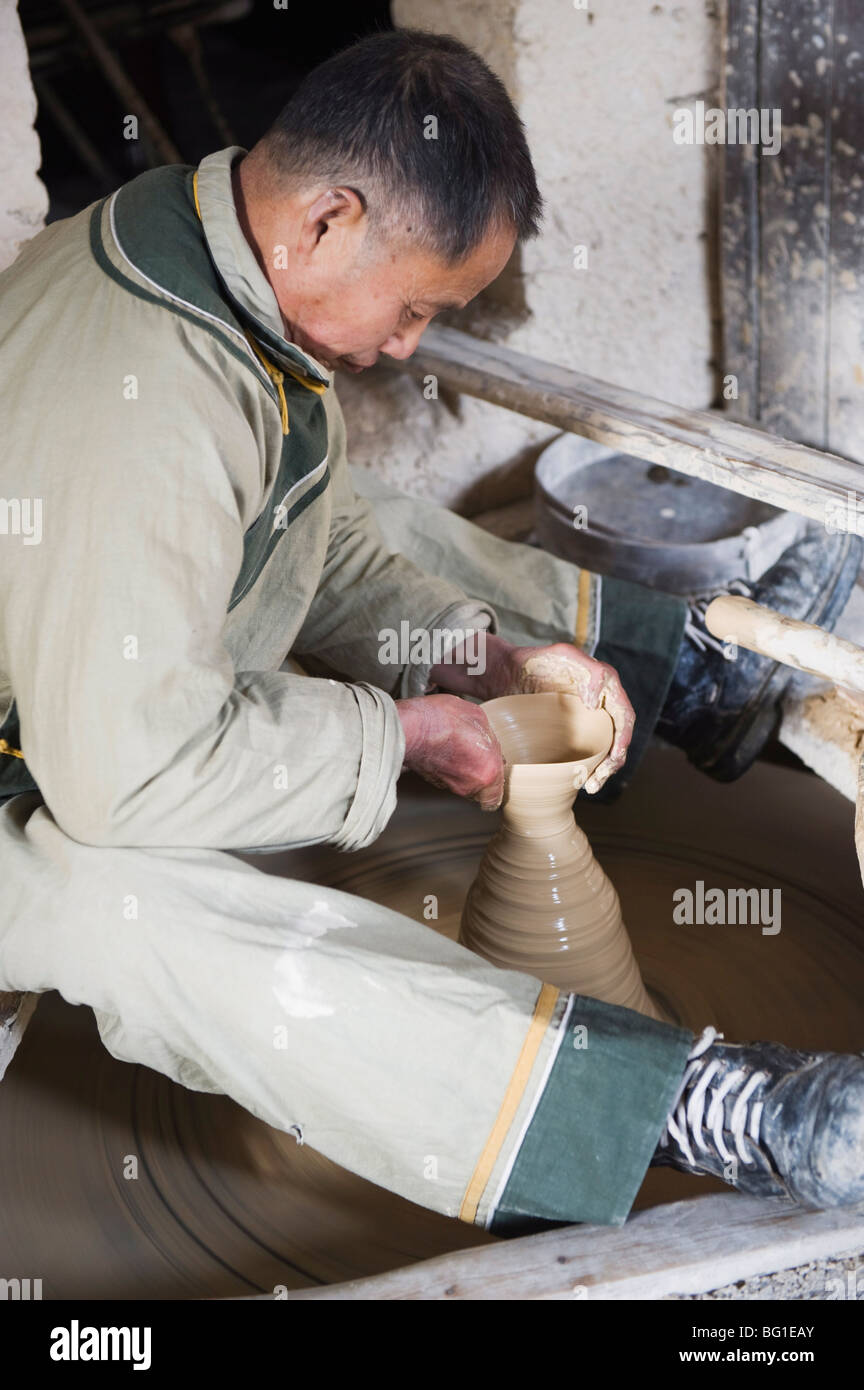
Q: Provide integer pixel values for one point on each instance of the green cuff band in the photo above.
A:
(595, 1129)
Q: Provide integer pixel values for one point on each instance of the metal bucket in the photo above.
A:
(617, 514)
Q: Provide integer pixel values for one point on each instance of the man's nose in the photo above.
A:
(401, 345)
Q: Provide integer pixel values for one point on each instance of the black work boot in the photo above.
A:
(722, 711)
(771, 1121)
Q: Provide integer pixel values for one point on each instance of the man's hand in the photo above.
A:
(564, 667)
(510, 670)
(450, 743)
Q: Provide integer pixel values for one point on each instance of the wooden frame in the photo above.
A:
(703, 443)
(680, 1248)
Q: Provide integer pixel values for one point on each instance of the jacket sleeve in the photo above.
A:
(376, 617)
(134, 723)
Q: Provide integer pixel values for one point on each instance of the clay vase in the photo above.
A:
(540, 901)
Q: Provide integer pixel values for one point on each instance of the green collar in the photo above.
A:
(247, 288)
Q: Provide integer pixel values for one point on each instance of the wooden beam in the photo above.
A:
(681, 1248)
(702, 443)
(114, 72)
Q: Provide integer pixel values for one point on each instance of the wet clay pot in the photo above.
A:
(540, 901)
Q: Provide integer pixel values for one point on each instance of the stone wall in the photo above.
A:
(23, 205)
(23, 199)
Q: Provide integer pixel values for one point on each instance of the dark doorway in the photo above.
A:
(211, 73)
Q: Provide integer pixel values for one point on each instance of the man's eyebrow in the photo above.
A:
(440, 305)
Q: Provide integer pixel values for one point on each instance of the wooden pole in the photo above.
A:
(702, 443)
(803, 646)
(123, 84)
(76, 135)
(679, 1248)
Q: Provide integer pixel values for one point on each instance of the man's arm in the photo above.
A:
(374, 608)
(367, 591)
(133, 721)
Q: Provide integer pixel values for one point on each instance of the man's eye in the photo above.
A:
(412, 314)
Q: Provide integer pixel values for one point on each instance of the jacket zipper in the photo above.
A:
(274, 374)
(277, 378)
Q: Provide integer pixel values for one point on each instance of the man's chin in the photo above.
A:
(345, 364)
(333, 364)
(350, 363)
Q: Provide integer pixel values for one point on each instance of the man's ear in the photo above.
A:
(333, 207)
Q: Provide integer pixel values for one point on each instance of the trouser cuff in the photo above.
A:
(595, 1126)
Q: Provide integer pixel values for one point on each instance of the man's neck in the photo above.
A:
(240, 181)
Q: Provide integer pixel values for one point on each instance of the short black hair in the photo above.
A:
(361, 118)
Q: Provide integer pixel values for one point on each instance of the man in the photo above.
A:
(167, 358)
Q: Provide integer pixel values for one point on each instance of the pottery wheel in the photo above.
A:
(222, 1205)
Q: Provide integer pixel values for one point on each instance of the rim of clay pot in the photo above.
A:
(563, 729)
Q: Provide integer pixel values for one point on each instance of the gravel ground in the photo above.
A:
(821, 1280)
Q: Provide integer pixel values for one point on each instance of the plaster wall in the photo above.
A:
(23, 200)
(596, 89)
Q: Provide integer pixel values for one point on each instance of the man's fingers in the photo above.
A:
(600, 775)
(451, 743)
(623, 724)
(621, 712)
(604, 771)
(566, 668)
(599, 686)
(490, 797)
(617, 755)
(490, 791)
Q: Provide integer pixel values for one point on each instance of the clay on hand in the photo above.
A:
(510, 670)
(565, 668)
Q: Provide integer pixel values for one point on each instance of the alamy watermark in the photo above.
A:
(423, 646)
(845, 514)
(735, 126)
(20, 1290)
(77, 1343)
(727, 907)
(21, 516)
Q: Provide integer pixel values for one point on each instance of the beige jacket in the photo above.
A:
(176, 517)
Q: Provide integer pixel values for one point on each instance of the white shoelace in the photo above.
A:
(694, 627)
(687, 1122)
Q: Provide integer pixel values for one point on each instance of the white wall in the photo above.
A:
(596, 90)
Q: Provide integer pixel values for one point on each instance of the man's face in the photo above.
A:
(357, 296)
